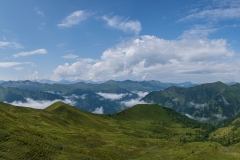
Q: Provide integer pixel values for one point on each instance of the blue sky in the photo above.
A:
(98, 40)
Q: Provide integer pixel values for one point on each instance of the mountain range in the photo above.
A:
(210, 102)
(108, 97)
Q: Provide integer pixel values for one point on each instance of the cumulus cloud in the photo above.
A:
(38, 51)
(74, 19)
(133, 102)
(40, 104)
(124, 24)
(70, 56)
(4, 44)
(111, 96)
(151, 57)
(98, 110)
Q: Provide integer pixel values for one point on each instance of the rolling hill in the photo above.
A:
(141, 132)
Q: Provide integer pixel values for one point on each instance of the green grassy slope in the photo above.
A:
(228, 133)
(141, 132)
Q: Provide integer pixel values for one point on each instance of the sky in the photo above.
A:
(99, 40)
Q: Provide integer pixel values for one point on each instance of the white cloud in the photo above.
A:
(141, 94)
(39, 104)
(155, 58)
(215, 14)
(215, 10)
(11, 64)
(133, 102)
(200, 119)
(38, 51)
(98, 110)
(72, 72)
(112, 96)
(83, 96)
(39, 12)
(189, 116)
(4, 44)
(74, 19)
(70, 56)
(124, 24)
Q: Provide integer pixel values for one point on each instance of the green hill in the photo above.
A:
(212, 102)
(228, 133)
(141, 132)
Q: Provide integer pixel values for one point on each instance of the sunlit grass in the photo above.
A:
(142, 132)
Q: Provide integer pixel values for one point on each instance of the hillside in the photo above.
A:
(10, 94)
(141, 132)
(228, 133)
(213, 102)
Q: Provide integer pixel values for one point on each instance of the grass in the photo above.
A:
(141, 132)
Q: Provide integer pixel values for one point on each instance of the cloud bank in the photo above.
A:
(40, 104)
(151, 57)
(111, 96)
(133, 102)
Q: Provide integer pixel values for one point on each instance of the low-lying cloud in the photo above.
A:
(196, 105)
(200, 119)
(219, 116)
(98, 110)
(111, 96)
(40, 104)
(141, 94)
(133, 102)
